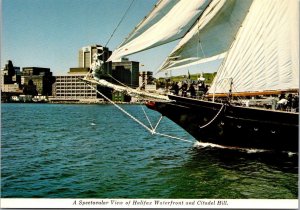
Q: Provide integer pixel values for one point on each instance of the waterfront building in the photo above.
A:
(42, 78)
(10, 82)
(70, 87)
(12, 89)
(10, 74)
(127, 72)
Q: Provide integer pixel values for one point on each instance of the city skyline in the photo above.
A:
(49, 33)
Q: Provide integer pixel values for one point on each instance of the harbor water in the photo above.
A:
(95, 151)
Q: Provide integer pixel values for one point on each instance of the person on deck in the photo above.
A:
(192, 90)
(175, 88)
(184, 88)
(282, 103)
(201, 86)
(289, 101)
(295, 103)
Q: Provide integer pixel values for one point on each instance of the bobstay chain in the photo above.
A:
(151, 130)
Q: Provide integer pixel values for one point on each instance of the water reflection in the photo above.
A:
(224, 173)
(235, 158)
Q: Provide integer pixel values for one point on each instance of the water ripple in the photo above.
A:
(93, 151)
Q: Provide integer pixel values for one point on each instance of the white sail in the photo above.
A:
(265, 55)
(211, 37)
(168, 21)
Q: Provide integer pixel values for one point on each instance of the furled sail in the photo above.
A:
(265, 55)
(127, 90)
(168, 21)
(211, 36)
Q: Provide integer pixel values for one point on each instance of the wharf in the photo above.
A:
(87, 101)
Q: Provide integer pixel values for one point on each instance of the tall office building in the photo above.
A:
(126, 72)
(89, 53)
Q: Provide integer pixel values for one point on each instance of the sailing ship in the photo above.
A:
(258, 41)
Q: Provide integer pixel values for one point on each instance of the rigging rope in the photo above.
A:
(120, 108)
(152, 131)
(130, 88)
(118, 80)
(119, 23)
(147, 117)
(157, 123)
(203, 126)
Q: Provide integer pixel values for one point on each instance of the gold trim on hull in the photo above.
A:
(258, 93)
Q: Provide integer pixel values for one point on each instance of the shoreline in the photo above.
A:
(76, 102)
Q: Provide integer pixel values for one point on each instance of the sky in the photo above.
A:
(49, 33)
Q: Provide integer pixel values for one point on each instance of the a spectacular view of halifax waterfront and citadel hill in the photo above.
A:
(66, 136)
(38, 84)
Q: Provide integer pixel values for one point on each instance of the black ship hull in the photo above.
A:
(232, 126)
